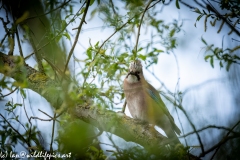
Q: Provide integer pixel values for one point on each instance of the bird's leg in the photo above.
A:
(124, 106)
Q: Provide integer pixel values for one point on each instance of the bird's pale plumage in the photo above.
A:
(145, 103)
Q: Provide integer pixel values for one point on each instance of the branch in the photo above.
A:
(230, 25)
(39, 82)
(212, 127)
(44, 14)
(14, 67)
(224, 140)
(106, 120)
(122, 126)
(77, 35)
(226, 136)
(16, 131)
(139, 27)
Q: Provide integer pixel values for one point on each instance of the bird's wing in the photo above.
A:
(153, 93)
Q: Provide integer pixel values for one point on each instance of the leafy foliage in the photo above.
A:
(224, 56)
(228, 15)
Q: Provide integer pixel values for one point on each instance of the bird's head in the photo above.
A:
(135, 69)
(135, 66)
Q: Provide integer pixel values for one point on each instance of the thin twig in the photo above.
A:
(210, 127)
(19, 134)
(210, 6)
(45, 113)
(51, 118)
(9, 93)
(74, 17)
(61, 6)
(193, 126)
(139, 27)
(162, 84)
(41, 119)
(117, 29)
(124, 106)
(37, 54)
(155, 4)
(29, 120)
(19, 44)
(112, 5)
(53, 130)
(77, 35)
(230, 131)
(224, 140)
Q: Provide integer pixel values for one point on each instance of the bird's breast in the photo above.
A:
(136, 101)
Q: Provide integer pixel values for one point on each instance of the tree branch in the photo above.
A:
(14, 67)
(139, 27)
(106, 120)
(122, 126)
(77, 35)
(125, 127)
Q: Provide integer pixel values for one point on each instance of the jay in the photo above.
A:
(145, 103)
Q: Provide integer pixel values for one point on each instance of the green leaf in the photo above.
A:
(64, 24)
(172, 33)
(228, 65)
(220, 63)
(23, 93)
(143, 57)
(158, 50)
(235, 57)
(206, 57)
(199, 17)
(211, 62)
(17, 104)
(134, 54)
(197, 11)
(96, 45)
(58, 38)
(203, 40)
(177, 4)
(67, 35)
(91, 2)
(82, 10)
(140, 49)
(89, 52)
(204, 12)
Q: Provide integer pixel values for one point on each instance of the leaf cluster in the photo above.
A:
(226, 57)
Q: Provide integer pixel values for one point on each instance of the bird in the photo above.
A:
(145, 103)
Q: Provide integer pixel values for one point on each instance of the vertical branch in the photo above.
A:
(19, 44)
(11, 38)
(220, 144)
(194, 128)
(29, 121)
(139, 27)
(124, 106)
(53, 130)
(77, 35)
(11, 43)
(16, 131)
(37, 54)
(112, 5)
